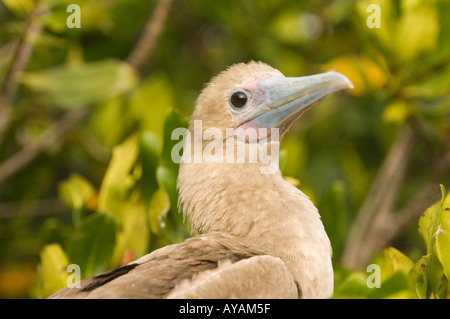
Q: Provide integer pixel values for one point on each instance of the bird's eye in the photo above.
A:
(239, 99)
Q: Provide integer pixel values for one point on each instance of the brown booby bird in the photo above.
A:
(258, 236)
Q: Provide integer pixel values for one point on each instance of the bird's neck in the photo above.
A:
(240, 200)
(262, 209)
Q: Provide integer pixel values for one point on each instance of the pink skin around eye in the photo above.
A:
(252, 86)
(250, 131)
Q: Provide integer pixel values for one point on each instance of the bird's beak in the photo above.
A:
(281, 100)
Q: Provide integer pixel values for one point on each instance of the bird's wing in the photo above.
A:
(213, 265)
(253, 278)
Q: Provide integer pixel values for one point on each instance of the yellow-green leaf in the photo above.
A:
(433, 229)
(118, 179)
(54, 274)
(443, 237)
(150, 104)
(75, 191)
(393, 261)
(419, 277)
(133, 235)
(428, 224)
(354, 286)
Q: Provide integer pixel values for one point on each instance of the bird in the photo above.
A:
(255, 235)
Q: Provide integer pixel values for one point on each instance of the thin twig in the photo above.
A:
(377, 224)
(425, 197)
(146, 43)
(378, 203)
(30, 151)
(21, 56)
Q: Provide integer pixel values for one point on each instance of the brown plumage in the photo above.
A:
(157, 274)
(259, 236)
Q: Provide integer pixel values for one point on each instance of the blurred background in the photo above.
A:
(86, 116)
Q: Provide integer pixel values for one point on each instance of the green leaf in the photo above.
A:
(396, 286)
(426, 276)
(394, 271)
(106, 112)
(431, 229)
(118, 179)
(428, 225)
(75, 191)
(150, 103)
(443, 237)
(354, 286)
(53, 274)
(71, 87)
(393, 261)
(436, 271)
(133, 234)
(159, 206)
(419, 277)
(150, 150)
(92, 244)
(176, 229)
(167, 179)
(172, 121)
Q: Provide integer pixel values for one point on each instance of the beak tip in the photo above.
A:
(345, 81)
(350, 84)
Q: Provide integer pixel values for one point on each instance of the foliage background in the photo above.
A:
(85, 123)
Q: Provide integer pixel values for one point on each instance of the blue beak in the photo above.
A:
(284, 99)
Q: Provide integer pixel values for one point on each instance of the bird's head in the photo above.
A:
(257, 96)
(219, 186)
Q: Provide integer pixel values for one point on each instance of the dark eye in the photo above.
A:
(239, 99)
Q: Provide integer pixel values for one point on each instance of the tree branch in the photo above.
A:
(146, 43)
(376, 224)
(30, 151)
(21, 56)
(378, 204)
(41, 207)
